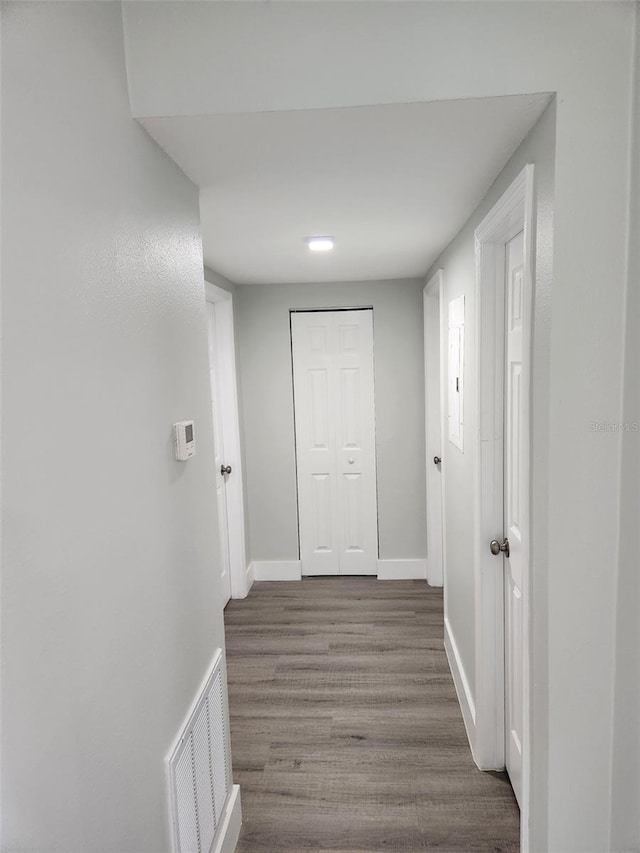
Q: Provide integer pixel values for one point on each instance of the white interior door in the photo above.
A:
(219, 458)
(515, 508)
(335, 441)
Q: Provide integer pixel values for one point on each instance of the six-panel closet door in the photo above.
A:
(335, 441)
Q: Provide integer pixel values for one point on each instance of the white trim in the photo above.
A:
(277, 570)
(397, 570)
(229, 831)
(455, 369)
(434, 291)
(223, 300)
(232, 814)
(249, 577)
(461, 683)
(512, 213)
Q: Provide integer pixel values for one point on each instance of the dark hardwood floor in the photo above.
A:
(346, 731)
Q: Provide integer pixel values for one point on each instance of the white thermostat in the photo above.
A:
(185, 440)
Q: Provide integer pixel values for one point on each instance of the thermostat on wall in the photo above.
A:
(185, 440)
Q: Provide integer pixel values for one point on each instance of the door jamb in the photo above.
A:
(511, 214)
(434, 290)
(223, 300)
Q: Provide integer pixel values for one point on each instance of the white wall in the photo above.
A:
(458, 263)
(264, 347)
(110, 601)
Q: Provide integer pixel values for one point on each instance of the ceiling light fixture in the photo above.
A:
(320, 244)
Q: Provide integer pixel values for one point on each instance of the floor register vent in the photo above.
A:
(199, 768)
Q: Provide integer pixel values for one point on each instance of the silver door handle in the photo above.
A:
(497, 548)
(225, 469)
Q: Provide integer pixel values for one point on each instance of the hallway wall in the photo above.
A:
(458, 264)
(265, 373)
(625, 794)
(208, 58)
(110, 601)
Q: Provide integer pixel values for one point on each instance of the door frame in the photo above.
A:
(228, 393)
(510, 215)
(433, 302)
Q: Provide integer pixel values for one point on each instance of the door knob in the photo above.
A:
(496, 547)
(437, 460)
(225, 469)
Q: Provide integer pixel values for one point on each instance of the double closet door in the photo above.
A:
(335, 441)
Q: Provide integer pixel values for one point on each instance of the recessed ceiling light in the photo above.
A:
(320, 244)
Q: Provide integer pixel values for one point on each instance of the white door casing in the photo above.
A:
(227, 422)
(333, 381)
(511, 215)
(515, 509)
(219, 456)
(455, 373)
(435, 363)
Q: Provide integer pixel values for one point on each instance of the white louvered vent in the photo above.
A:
(199, 768)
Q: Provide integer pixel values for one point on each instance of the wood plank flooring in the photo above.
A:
(346, 731)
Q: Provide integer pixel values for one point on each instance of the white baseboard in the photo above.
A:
(277, 570)
(434, 576)
(249, 577)
(229, 832)
(461, 682)
(400, 570)
(291, 570)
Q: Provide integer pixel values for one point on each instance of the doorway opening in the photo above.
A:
(504, 286)
(226, 433)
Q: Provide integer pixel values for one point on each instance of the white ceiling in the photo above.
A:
(393, 183)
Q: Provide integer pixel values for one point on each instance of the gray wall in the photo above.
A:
(458, 263)
(625, 798)
(214, 277)
(264, 346)
(276, 56)
(110, 601)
